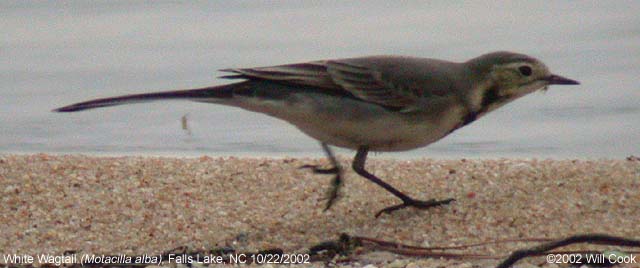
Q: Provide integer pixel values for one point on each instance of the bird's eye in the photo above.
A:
(525, 70)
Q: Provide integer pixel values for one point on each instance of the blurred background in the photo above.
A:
(53, 53)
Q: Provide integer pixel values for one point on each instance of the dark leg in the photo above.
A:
(335, 169)
(358, 166)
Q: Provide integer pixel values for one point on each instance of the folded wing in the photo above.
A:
(359, 77)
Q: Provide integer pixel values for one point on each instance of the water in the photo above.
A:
(56, 53)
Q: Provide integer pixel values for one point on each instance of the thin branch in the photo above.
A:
(465, 246)
(585, 238)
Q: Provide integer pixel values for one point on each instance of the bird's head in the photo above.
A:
(504, 76)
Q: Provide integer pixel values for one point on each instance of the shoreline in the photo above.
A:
(340, 152)
(146, 205)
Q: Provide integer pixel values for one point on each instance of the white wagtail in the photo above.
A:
(375, 103)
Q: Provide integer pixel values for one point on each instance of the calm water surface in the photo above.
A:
(56, 53)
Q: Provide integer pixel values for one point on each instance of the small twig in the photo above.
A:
(586, 238)
(479, 244)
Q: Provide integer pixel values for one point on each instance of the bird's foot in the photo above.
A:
(332, 194)
(416, 204)
(336, 182)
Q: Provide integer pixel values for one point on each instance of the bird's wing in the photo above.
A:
(310, 73)
(369, 79)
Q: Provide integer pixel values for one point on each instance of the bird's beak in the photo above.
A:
(555, 79)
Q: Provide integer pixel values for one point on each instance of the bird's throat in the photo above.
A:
(491, 99)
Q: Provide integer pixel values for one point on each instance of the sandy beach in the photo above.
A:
(148, 205)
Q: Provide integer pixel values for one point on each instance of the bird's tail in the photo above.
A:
(215, 92)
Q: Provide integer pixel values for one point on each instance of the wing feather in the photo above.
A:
(364, 78)
(368, 84)
(310, 74)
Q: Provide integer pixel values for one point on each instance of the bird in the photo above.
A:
(379, 103)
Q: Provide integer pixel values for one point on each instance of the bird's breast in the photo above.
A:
(351, 123)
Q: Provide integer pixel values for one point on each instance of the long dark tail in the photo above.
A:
(215, 92)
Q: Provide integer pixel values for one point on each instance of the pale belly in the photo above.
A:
(351, 124)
